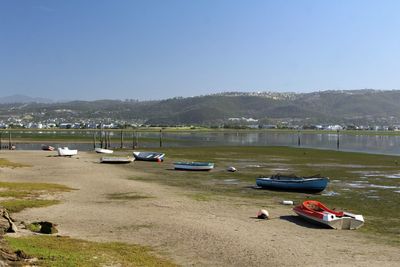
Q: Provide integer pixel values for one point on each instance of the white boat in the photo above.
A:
(103, 150)
(194, 166)
(66, 152)
(116, 160)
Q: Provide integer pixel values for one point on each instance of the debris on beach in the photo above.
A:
(287, 202)
(231, 169)
(262, 214)
(6, 222)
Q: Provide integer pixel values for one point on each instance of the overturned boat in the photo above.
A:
(316, 212)
(194, 166)
(116, 160)
(103, 150)
(314, 183)
(66, 152)
(149, 156)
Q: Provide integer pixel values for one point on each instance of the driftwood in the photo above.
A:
(7, 224)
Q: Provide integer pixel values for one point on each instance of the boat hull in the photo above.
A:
(149, 156)
(193, 166)
(304, 185)
(116, 160)
(65, 152)
(329, 218)
(103, 151)
(47, 148)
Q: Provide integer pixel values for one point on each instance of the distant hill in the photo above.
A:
(355, 106)
(23, 99)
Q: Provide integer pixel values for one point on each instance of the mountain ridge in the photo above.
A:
(353, 106)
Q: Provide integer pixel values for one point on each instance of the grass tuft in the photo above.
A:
(127, 196)
(4, 163)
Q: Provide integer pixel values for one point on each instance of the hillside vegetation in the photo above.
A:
(356, 106)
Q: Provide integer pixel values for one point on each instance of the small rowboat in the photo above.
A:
(103, 150)
(194, 166)
(116, 160)
(293, 183)
(47, 148)
(315, 212)
(149, 156)
(66, 152)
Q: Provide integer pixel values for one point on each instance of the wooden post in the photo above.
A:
(137, 140)
(160, 137)
(337, 140)
(109, 140)
(94, 140)
(101, 138)
(133, 140)
(298, 139)
(122, 139)
(9, 140)
(1, 134)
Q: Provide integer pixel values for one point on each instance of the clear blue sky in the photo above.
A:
(148, 49)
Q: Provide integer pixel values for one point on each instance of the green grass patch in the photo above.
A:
(127, 196)
(19, 196)
(5, 163)
(17, 205)
(34, 227)
(64, 251)
(378, 204)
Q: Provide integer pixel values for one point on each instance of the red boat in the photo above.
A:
(317, 212)
(47, 148)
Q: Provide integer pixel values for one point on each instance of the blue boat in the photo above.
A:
(314, 183)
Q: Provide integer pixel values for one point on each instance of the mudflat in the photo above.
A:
(108, 206)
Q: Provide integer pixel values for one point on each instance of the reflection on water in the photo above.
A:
(388, 144)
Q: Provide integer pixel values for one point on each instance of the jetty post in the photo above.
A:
(337, 140)
(9, 140)
(94, 139)
(109, 140)
(298, 138)
(101, 138)
(161, 138)
(106, 135)
(133, 140)
(1, 134)
(122, 138)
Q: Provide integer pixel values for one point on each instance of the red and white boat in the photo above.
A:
(317, 212)
(48, 148)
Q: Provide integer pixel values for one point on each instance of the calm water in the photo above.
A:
(378, 144)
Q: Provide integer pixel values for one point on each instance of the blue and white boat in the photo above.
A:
(293, 183)
(149, 156)
(194, 166)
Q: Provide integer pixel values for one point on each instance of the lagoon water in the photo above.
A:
(377, 144)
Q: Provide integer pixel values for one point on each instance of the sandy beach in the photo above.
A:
(221, 232)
